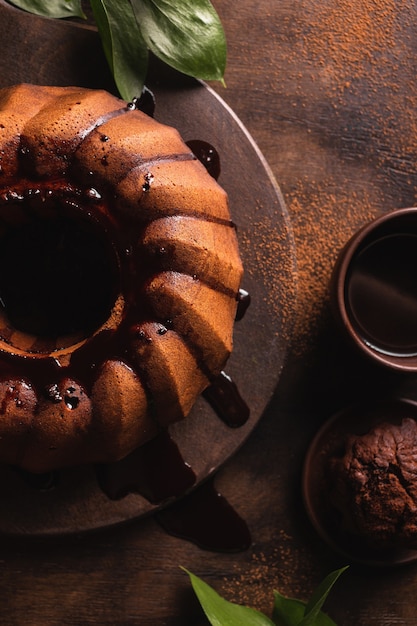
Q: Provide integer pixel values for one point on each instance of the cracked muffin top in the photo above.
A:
(374, 485)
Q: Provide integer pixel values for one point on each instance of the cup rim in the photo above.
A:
(349, 251)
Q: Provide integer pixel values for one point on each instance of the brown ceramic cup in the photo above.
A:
(374, 289)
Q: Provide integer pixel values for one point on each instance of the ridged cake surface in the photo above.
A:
(112, 227)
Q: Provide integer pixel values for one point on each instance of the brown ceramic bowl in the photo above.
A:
(374, 289)
(318, 484)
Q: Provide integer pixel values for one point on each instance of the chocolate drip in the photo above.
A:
(41, 482)
(146, 102)
(156, 470)
(39, 373)
(207, 155)
(243, 303)
(224, 397)
(207, 519)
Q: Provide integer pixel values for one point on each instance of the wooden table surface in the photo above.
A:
(328, 91)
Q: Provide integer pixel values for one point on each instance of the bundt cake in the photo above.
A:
(119, 276)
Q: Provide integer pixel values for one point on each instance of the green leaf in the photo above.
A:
(220, 612)
(123, 45)
(51, 8)
(318, 598)
(287, 611)
(186, 34)
(291, 612)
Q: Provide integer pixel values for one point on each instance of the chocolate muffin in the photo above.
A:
(374, 485)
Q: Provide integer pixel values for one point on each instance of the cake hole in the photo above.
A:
(59, 280)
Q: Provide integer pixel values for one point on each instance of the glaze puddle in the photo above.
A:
(156, 471)
(206, 518)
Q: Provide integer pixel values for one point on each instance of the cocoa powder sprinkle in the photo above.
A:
(362, 129)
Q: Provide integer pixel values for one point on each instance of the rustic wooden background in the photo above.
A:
(328, 91)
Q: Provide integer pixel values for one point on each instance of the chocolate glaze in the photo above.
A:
(41, 482)
(224, 397)
(208, 156)
(156, 470)
(146, 102)
(207, 519)
(243, 303)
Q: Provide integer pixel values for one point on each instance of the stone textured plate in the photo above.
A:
(68, 53)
